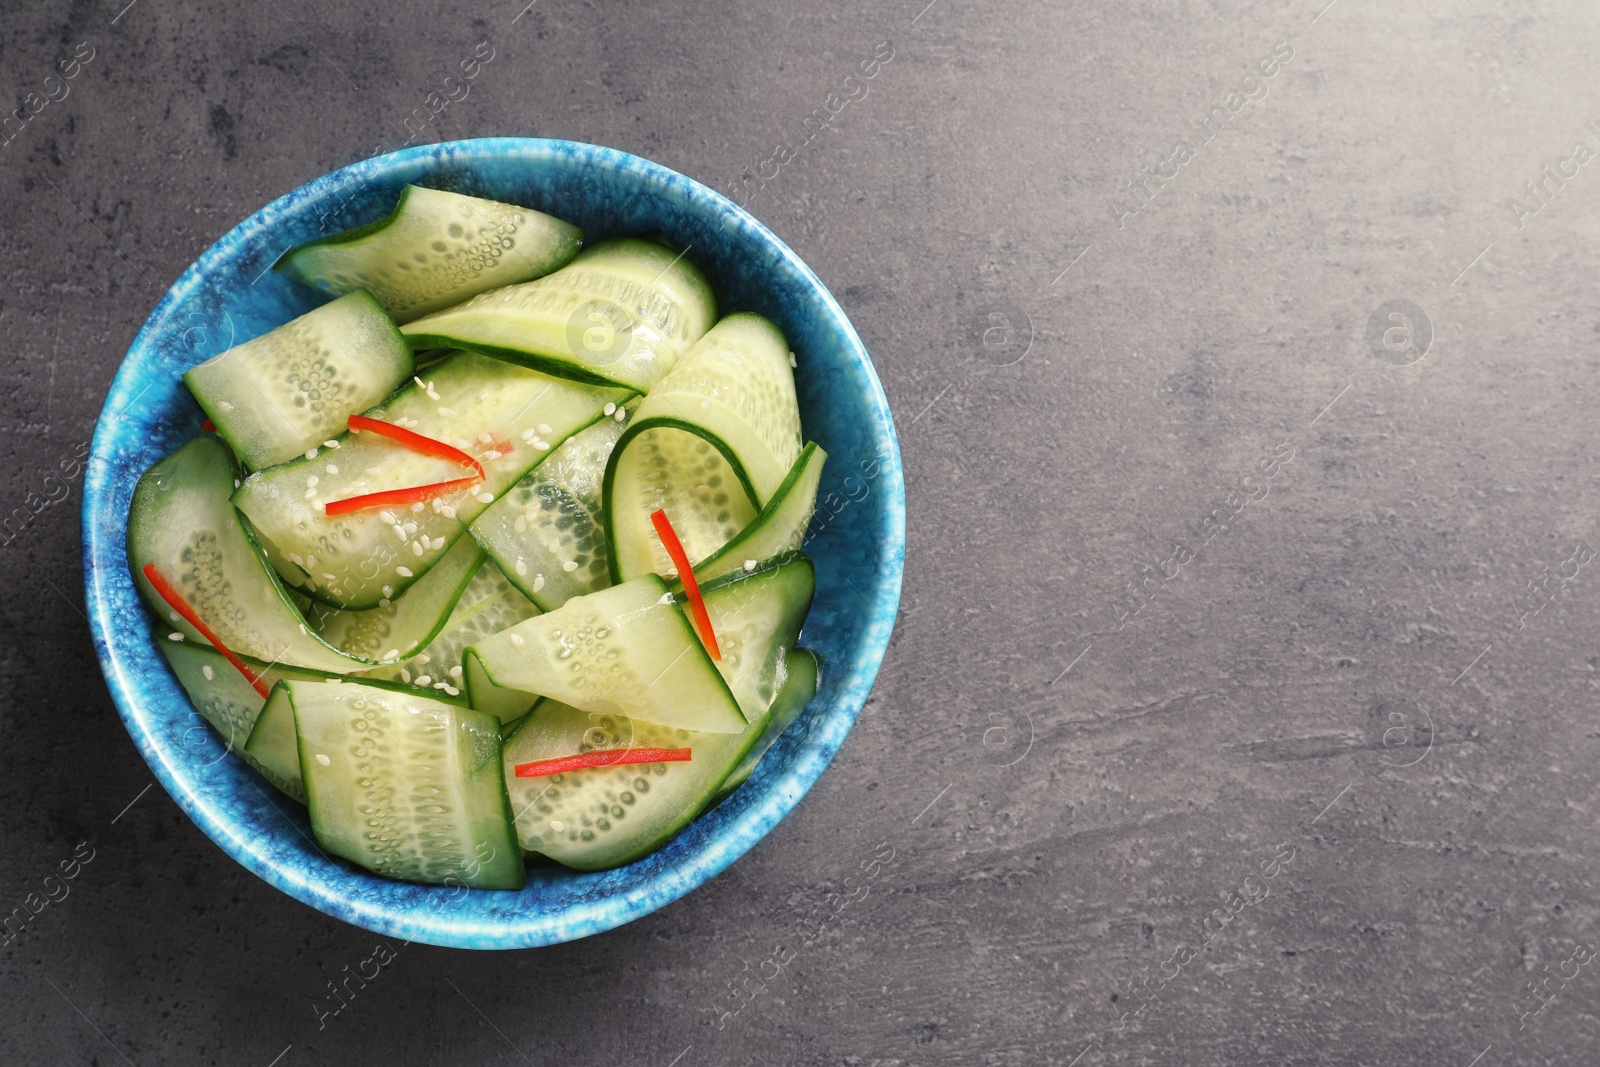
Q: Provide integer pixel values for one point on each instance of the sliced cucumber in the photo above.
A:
(291, 389)
(545, 531)
(628, 647)
(607, 816)
(437, 249)
(507, 705)
(226, 699)
(756, 615)
(406, 786)
(781, 526)
(802, 672)
(736, 387)
(490, 604)
(498, 412)
(408, 622)
(680, 472)
(272, 747)
(180, 521)
(623, 313)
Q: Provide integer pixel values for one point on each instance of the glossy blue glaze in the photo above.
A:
(229, 296)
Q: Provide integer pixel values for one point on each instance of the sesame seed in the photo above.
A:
(387, 516)
(330, 444)
(174, 616)
(516, 639)
(486, 498)
(331, 469)
(405, 675)
(520, 525)
(557, 825)
(522, 568)
(622, 413)
(399, 531)
(455, 672)
(410, 528)
(490, 456)
(388, 590)
(441, 685)
(309, 493)
(384, 602)
(484, 438)
(393, 653)
(174, 636)
(542, 446)
(749, 564)
(448, 511)
(404, 572)
(538, 582)
(611, 409)
(313, 480)
(311, 453)
(570, 565)
(416, 508)
(424, 679)
(452, 690)
(416, 548)
(543, 427)
(311, 561)
(447, 412)
(554, 545)
(208, 672)
(224, 406)
(324, 760)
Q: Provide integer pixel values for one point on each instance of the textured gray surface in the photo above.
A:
(1349, 672)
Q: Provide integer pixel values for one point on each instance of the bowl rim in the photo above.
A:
(104, 567)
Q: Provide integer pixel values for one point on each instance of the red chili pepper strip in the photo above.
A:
(608, 757)
(208, 426)
(416, 494)
(416, 441)
(181, 606)
(680, 560)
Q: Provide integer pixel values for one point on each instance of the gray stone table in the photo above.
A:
(1242, 707)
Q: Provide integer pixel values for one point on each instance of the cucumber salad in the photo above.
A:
(495, 554)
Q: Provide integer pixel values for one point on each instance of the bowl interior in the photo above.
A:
(230, 295)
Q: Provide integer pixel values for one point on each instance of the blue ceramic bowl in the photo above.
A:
(229, 295)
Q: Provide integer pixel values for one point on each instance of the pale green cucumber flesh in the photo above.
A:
(802, 672)
(436, 249)
(545, 532)
(231, 705)
(628, 649)
(624, 311)
(737, 387)
(781, 526)
(407, 787)
(757, 615)
(605, 817)
(490, 409)
(676, 470)
(288, 390)
(409, 621)
(180, 520)
(490, 604)
(507, 705)
(271, 746)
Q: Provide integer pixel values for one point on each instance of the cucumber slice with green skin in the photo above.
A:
(292, 388)
(408, 622)
(551, 518)
(491, 604)
(437, 249)
(627, 647)
(229, 703)
(756, 615)
(736, 387)
(507, 705)
(622, 313)
(679, 471)
(604, 817)
(803, 669)
(497, 412)
(781, 526)
(181, 521)
(405, 786)
(272, 747)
